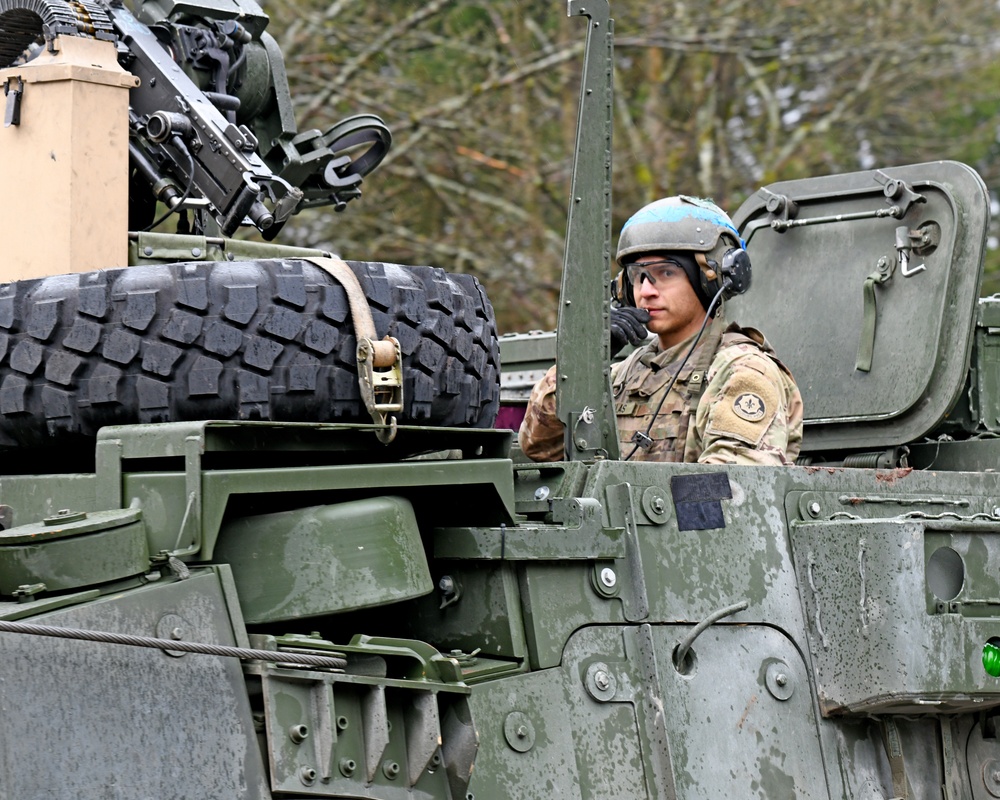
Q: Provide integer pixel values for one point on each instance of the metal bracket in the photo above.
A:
(12, 114)
(898, 193)
(779, 205)
(380, 362)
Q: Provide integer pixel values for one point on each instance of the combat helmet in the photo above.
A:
(682, 225)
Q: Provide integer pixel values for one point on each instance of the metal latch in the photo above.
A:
(382, 389)
(14, 93)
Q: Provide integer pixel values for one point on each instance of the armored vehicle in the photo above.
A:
(259, 539)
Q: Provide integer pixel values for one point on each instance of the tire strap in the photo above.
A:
(380, 362)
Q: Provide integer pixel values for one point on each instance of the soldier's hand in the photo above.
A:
(628, 326)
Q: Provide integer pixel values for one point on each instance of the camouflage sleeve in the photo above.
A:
(541, 433)
(750, 413)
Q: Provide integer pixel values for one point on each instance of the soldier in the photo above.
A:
(701, 390)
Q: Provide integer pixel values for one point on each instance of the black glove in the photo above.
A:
(628, 326)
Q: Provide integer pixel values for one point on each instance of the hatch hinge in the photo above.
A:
(898, 193)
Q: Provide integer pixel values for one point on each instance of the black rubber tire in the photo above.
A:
(259, 340)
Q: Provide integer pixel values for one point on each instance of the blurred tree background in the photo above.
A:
(714, 99)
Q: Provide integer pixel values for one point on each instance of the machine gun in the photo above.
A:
(212, 87)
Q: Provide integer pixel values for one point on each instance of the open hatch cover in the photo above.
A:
(866, 284)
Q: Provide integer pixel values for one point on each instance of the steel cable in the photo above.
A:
(243, 653)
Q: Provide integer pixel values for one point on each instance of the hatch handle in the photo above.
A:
(866, 347)
(685, 645)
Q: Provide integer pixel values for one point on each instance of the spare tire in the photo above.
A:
(257, 340)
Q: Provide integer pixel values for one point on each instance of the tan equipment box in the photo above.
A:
(64, 161)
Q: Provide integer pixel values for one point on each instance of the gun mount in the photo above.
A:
(211, 88)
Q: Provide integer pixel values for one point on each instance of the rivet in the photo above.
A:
(196, 252)
(147, 251)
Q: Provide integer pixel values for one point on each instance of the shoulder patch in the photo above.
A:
(750, 406)
(745, 408)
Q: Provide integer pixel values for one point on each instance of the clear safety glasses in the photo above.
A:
(653, 270)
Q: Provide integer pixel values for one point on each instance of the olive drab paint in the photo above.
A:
(251, 608)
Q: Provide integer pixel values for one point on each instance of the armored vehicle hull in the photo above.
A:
(258, 538)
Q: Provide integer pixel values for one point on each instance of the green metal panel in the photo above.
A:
(325, 559)
(226, 460)
(981, 455)
(814, 243)
(482, 614)
(110, 721)
(525, 358)
(31, 498)
(984, 378)
(884, 599)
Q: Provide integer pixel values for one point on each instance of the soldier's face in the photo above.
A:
(675, 313)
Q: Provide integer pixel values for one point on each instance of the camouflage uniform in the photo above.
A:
(749, 412)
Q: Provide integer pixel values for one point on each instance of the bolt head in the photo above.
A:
(542, 493)
(608, 577)
(814, 508)
(781, 679)
(601, 680)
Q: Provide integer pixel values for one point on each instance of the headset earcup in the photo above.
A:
(621, 290)
(736, 270)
